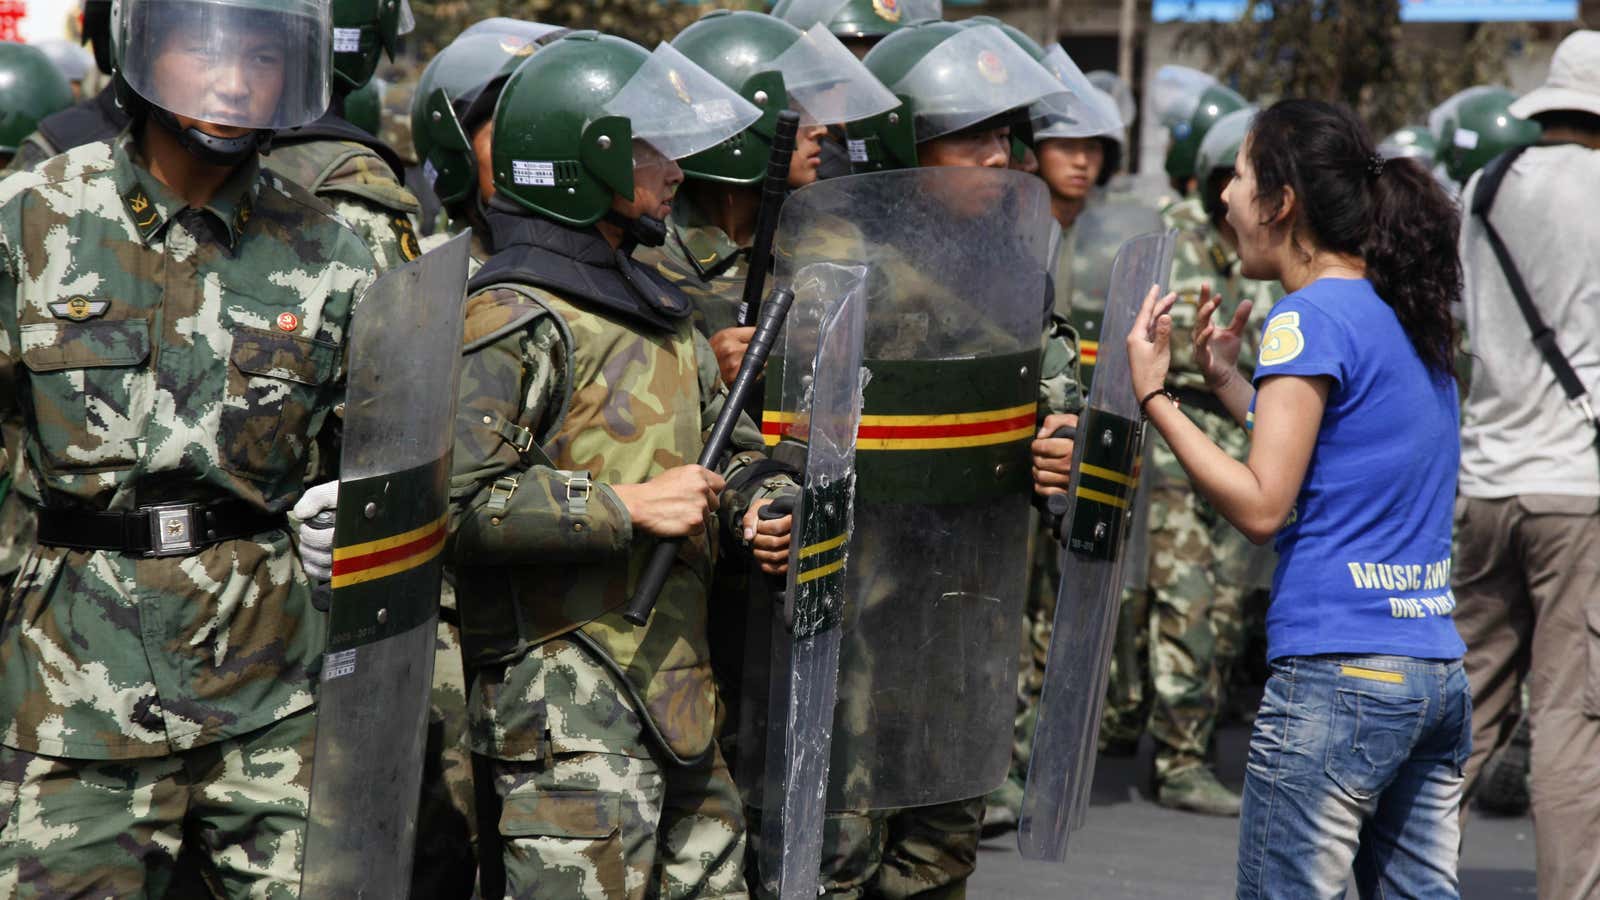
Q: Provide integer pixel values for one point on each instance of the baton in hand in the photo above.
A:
(773, 312)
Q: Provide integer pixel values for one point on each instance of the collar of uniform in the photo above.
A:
(708, 247)
(151, 205)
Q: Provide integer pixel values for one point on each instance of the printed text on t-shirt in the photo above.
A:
(1434, 576)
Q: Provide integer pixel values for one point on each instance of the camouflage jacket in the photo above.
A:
(560, 400)
(1202, 257)
(154, 352)
(705, 263)
(361, 188)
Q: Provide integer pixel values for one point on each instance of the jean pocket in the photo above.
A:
(1369, 736)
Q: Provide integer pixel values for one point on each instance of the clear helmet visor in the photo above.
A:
(826, 84)
(1118, 89)
(524, 31)
(1081, 110)
(1175, 94)
(408, 19)
(803, 14)
(972, 76)
(74, 62)
(228, 63)
(677, 107)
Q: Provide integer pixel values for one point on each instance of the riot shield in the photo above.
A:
(821, 380)
(1096, 236)
(1104, 477)
(956, 302)
(389, 530)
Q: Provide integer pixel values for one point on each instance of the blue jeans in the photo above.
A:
(1355, 764)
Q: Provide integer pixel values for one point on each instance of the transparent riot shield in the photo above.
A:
(1104, 477)
(372, 704)
(821, 383)
(956, 303)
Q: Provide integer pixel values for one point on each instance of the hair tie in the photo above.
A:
(1375, 165)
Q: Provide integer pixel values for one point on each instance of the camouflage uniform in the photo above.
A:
(361, 187)
(1198, 562)
(179, 689)
(599, 734)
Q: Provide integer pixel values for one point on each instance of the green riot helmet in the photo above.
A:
(857, 19)
(457, 93)
(1411, 142)
(1022, 132)
(261, 65)
(1215, 158)
(948, 79)
(97, 31)
(1082, 111)
(1121, 94)
(362, 29)
(363, 107)
(568, 118)
(775, 66)
(31, 87)
(1188, 102)
(1475, 126)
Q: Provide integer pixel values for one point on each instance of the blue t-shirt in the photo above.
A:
(1364, 560)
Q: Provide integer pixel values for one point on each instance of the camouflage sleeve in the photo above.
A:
(508, 504)
(33, 150)
(750, 475)
(1060, 388)
(10, 342)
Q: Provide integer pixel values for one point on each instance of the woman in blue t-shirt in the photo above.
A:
(1355, 762)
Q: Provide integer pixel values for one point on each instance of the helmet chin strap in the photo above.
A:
(211, 149)
(647, 231)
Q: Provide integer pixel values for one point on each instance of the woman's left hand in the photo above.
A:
(1150, 343)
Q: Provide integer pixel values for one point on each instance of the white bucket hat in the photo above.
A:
(1573, 82)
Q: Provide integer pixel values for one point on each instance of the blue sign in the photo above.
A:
(1488, 10)
(1410, 10)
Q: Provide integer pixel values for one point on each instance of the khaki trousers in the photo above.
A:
(1527, 586)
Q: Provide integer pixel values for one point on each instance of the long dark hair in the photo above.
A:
(1391, 213)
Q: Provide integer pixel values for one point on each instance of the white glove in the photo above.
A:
(316, 540)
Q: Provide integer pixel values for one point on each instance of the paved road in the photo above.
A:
(1133, 849)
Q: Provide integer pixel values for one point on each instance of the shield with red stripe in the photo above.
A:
(956, 303)
(389, 533)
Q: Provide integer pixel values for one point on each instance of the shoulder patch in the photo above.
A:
(406, 237)
(496, 311)
(1283, 339)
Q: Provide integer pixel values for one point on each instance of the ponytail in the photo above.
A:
(1391, 213)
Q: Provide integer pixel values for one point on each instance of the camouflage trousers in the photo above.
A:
(1198, 573)
(623, 823)
(114, 828)
(445, 860)
(927, 852)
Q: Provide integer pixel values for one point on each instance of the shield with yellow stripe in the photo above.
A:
(1100, 506)
(957, 295)
(389, 534)
(821, 400)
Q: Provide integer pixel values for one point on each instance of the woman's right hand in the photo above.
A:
(1216, 350)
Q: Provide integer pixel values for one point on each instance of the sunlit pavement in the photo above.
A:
(1131, 848)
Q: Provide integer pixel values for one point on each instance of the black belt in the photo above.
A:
(1202, 400)
(168, 529)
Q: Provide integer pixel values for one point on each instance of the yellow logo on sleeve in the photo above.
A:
(1283, 340)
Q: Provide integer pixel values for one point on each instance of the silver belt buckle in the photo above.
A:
(173, 528)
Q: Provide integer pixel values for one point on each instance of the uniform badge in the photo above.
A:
(887, 10)
(406, 238)
(288, 321)
(991, 68)
(142, 211)
(79, 308)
